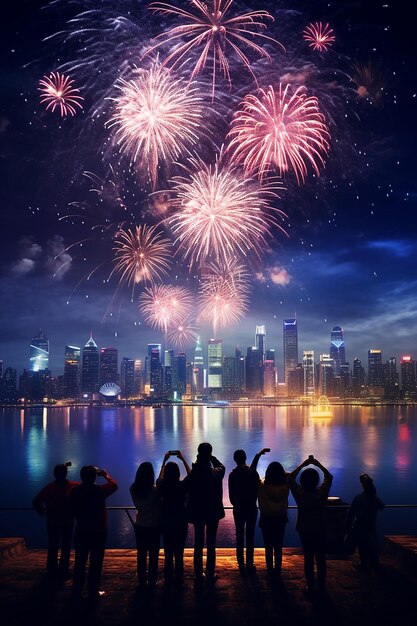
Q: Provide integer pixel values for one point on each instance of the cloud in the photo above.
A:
(58, 260)
(4, 124)
(54, 257)
(276, 274)
(28, 248)
(397, 247)
(22, 267)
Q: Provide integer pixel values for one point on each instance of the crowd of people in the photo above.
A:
(166, 506)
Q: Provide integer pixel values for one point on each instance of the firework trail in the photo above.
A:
(220, 213)
(141, 255)
(369, 82)
(319, 35)
(212, 31)
(57, 92)
(156, 118)
(183, 335)
(279, 129)
(165, 305)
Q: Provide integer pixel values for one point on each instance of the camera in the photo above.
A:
(68, 464)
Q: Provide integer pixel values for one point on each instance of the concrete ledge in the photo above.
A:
(11, 547)
(404, 549)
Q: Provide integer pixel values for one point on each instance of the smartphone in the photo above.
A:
(174, 452)
(311, 457)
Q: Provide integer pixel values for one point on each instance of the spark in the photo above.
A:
(212, 31)
(183, 335)
(220, 213)
(57, 92)
(165, 305)
(156, 118)
(279, 129)
(319, 35)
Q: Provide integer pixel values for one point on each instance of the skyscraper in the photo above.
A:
(127, 377)
(260, 341)
(179, 374)
(308, 370)
(138, 377)
(72, 373)
(90, 367)
(290, 335)
(408, 377)
(198, 369)
(358, 377)
(269, 379)
(325, 370)
(168, 371)
(108, 366)
(375, 370)
(155, 374)
(215, 357)
(337, 349)
(39, 353)
(254, 367)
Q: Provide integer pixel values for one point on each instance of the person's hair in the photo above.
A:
(204, 450)
(144, 480)
(60, 472)
(309, 479)
(171, 473)
(275, 474)
(239, 457)
(367, 485)
(88, 474)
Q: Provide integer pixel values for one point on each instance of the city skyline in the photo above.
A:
(347, 258)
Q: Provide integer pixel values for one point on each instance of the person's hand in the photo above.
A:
(103, 473)
(264, 450)
(166, 456)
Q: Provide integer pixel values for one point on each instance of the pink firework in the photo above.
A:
(220, 213)
(156, 118)
(319, 35)
(213, 32)
(165, 305)
(222, 301)
(183, 335)
(279, 129)
(141, 255)
(57, 92)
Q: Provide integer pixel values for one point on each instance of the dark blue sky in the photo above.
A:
(350, 256)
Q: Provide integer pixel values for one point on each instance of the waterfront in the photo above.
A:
(381, 440)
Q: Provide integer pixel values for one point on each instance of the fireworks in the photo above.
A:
(165, 305)
(220, 213)
(369, 81)
(57, 92)
(141, 254)
(210, 30)
(319, 35)
(156, 118)
(279, 129)
(183, 335)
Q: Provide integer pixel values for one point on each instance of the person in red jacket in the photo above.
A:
(53, 502)
(88, 502)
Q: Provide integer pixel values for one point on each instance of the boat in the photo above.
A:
(322, 409)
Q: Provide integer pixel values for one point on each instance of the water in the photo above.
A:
(379, 440)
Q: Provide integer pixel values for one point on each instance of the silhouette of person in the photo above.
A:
(53, 502)
(311, 501)
(205, 508)
(146, 499)
(174, 523)
(273, 494)
(361, 520)
(88, 502)
(243, 494)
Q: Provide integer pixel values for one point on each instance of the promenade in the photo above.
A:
(385, 598)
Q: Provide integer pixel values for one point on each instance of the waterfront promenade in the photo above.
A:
(387, 598)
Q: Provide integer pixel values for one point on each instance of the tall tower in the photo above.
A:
(290, 335)
(72, 373)
(215, 357)
(39, 353)
(198, 369)
(90, 367)
(127, 377)
(337, 349)
(260, 341)
(308, 370)
(375, 369)
(108, 366)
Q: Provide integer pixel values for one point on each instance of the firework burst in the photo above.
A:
(141, 255)
(156, 118)
(210, 29)
(319, 35)
(165, 306)
(57, 92)
(220, 213)
(279, 129)
(183, 335)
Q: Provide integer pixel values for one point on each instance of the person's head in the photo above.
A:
(204, 451)
(88, 474)
(60, 472)
(239, 457)
(309, 479)
(171, 472)
(144, 479)
(275, 474)
(367, 484)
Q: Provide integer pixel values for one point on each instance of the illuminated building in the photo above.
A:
(290, 336)
(168, 370)
(215, 354)
(308, 371)
(375, 372)
(179, 374)
(110, 391)
(8, 390)
(260, 341)
(72, 374)
(39, 353)
(408, 377)
(90, 367)
(229, 374)
(155, 371)
(151, 346)
(138, 376)
(337, 349)
(254, 368)
(109, 366)
(198, 369)
(240, 370)
(127, 377)
(295, 381)
(391, 379)
(269, 378)
(358, 378)
(325, 375)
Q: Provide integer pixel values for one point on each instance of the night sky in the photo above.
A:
(349, 258)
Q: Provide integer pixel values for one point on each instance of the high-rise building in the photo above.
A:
(375, 369)
(179, 374)
(39, 353)
(391, 379)
(408, 377)
(270, 354)
(325, 375)
(155, 371)
(90, 368)
(8, 390)
(254, 369)
(358, 378)
(240, 369)
(138, 385)
(295, 381)
(308, 370)
(151, 346)
(229, 374)
(127, 377)
(337, 349)
(168, 371)
(290, 336)
(260, 341)
(269, 379)
(72, 371)
(109, 366)
(197, 385)
(215, 357)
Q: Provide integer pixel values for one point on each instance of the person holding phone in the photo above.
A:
(174, 525)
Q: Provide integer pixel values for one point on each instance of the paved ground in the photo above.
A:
(354, 598)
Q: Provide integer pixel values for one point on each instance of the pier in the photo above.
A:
(387, 597)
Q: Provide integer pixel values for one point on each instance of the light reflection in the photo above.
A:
(44, 418)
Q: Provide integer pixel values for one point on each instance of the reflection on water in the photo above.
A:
(378, 440)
